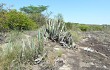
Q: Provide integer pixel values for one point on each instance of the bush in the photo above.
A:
(83, 27)
(3, 20)
(69, 25)
(39, 18)
(96, 28)
(19, 21)
(14, 20)
(73, 26)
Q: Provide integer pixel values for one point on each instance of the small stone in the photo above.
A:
(105, 66)
(57, 49)
(59, 62)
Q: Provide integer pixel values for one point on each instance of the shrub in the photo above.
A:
(69, 25)
(3, 20)
(83, 27)
(96, 27)
(39, 18)
(19, 21)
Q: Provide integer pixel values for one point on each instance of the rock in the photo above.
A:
(88, 49)
(38, 60)
(59, 62)
(56, 49)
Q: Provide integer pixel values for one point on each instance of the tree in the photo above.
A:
(40, 19)
(33, 9)
(35, 13)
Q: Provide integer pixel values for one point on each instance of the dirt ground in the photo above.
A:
(91, 53)
(95, 51)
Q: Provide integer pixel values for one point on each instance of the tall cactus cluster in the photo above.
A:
(56, 31)
(40, 37)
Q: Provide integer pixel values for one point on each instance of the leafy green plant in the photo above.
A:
(35, 13)
(38, 18)
(19, 21)
(96, 28)
(69, 25)
(34, 9)
(83, 27)
(3, 20)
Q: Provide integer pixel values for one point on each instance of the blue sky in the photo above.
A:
(81, 11)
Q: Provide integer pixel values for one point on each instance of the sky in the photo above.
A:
(78, 11)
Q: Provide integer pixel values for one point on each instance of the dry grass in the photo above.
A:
(76, 36)
(18, 52)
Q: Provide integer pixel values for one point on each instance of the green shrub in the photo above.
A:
(3, 20)
(69, 25)
(83, 27)
(19, 21)
(96, 27)
(39, 18)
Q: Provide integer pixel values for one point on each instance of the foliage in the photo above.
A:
(38, 18)
(96, 28)
(3, 18)
(69, 25)
(19, 21)
(35, 13)
(33, 9)
(13, 20)
(84, 27)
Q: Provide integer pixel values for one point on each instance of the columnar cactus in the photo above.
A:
(40, 37)
(56, 32)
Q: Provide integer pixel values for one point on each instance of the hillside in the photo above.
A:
(92, 52)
